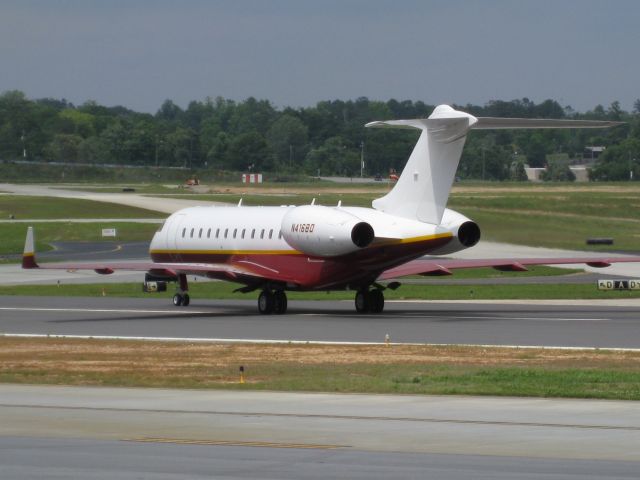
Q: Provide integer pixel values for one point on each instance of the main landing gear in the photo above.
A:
(181, 298)
(369, 301)
(272, 302)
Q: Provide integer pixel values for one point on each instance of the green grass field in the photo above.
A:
(13, 234)
(224, 290)
(48, 208)
(52, 208)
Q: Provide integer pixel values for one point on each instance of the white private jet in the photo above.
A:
(314, 247)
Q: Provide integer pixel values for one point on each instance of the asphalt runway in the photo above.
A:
(585, 324)
(112, 433)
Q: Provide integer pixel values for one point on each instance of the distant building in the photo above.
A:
(534, 174)
(592, 153)
(251, 178)
(581, 172)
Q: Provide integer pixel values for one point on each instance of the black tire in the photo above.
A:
(177, 300)
(265, 302)
(185, 300)
(280, 302)
(362, 301)
(376, 301)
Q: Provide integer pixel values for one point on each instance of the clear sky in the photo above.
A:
(137, 53)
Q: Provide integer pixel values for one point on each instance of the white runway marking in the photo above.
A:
(304, 342)
(468, 317)
(537, 319)
(100, 310)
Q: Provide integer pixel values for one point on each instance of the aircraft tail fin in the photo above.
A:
(423, 188)
(29, 254)
(422, 191)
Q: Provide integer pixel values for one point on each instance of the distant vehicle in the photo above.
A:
(324, 248)
(191, 182)
(378, 177)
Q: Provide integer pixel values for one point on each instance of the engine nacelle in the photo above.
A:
(325, 231)
(466, 233)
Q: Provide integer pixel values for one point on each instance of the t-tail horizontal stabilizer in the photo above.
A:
(422, 190)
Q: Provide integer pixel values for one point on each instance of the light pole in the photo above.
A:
(361, 159)
(157, 139)
(24, 148)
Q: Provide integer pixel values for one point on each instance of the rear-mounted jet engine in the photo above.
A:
(325, 231)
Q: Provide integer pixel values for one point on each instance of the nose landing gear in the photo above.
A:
(181, 298)
(369, 301)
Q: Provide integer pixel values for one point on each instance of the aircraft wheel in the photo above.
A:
(177, 300)
(280, 302)
(185, 300)
(362, 301)
(266, 302)
(376, 301)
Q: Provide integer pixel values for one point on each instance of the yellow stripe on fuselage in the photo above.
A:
(393, 241)
(403, 241)
(228, 252)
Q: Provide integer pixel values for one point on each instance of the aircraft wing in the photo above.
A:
(444, 266)
(169, 269)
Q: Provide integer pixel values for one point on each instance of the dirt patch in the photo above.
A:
(101, 355)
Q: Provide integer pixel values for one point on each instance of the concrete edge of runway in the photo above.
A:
(304, 342)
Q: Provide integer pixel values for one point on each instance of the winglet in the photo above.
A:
(29, 255)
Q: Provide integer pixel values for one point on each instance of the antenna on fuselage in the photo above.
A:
(240, 202)
(313, 202)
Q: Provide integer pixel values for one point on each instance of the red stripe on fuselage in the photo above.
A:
(306, 272)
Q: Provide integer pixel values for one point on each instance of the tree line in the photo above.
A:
(326, 139)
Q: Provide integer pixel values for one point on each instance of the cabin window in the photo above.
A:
(243, 230)
(217, 232)
(253, 233)
(262, 234)
(209, 233)
(200, 234)
(226, 232)
(184, 232)
(270, 234)
(280, 234)
(192, 230)
(235, 232)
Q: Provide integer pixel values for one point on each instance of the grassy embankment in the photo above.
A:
(363, 369)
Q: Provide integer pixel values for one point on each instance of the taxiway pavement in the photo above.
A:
(84, 432)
